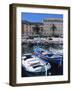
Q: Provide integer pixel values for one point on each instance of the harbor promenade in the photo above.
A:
(45, 41)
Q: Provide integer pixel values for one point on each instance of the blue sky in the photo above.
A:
(38, 17)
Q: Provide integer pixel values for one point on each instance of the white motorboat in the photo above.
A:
(34, 64)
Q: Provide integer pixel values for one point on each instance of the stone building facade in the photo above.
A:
(32, 28)
(48, 27)
(53, 26)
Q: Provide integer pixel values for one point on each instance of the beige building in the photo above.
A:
(53, 26)
(31, 28)
(48, 27)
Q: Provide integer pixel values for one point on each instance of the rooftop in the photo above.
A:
(35, 23)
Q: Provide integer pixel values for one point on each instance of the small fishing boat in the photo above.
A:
(48, 56)
(39, 51)
(33, 64)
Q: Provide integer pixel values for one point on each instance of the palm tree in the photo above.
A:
(53, 28)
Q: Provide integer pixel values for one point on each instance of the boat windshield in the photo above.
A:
(28, 56)
(34, 64)
(49, 55)
(37, 66)
(42, 51)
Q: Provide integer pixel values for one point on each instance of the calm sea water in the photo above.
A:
(28, 48)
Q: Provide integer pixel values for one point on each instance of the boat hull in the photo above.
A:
(26, 73)
(50, 57)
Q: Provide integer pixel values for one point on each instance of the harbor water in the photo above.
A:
(55, 69)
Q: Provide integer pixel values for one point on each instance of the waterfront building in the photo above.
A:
(48, 27)
(53, 26)
(32, 28)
